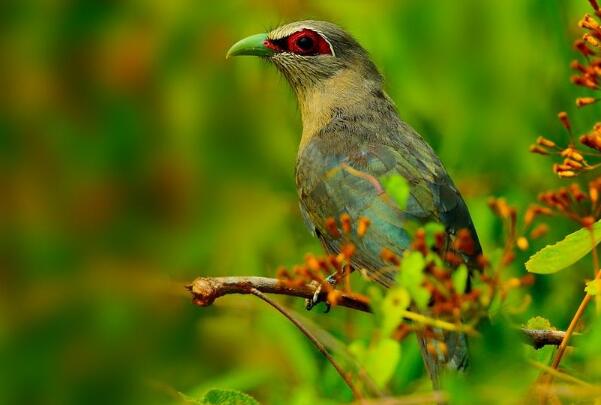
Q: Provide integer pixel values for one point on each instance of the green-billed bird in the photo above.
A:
(352, 136)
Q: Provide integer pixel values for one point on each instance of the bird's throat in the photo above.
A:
(343, 92)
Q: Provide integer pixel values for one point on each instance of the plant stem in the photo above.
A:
(580, 311)
(345, 376)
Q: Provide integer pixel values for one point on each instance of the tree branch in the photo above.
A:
(205, 290)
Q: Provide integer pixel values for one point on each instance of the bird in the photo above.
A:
(352, 135)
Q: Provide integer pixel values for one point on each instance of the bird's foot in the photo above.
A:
(311, 302)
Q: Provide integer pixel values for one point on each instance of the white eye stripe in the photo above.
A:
(279, 34)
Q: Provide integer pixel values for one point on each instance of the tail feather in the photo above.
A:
(438, 359)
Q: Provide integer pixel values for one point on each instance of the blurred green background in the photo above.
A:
(134, 157)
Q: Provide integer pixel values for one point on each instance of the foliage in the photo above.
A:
(227, 397)
(134, 158)
(556, 257)
(539, 323)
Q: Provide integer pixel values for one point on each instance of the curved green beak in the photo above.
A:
(253, 45)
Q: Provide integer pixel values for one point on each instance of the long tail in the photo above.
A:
(439, 359)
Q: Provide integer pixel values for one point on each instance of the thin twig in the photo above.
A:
(559, 375)
(345, 376)
(205, 290)
(434, 397)
(579, 312)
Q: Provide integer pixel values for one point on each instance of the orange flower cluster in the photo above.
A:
(588, 75)
(573, 159)
(575, 204)
(317, 269)
(442, 261)
(514, 236)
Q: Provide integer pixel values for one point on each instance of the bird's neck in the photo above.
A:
(346, 91)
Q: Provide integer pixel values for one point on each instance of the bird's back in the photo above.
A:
(339, 172)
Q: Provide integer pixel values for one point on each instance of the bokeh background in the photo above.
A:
(134, 157)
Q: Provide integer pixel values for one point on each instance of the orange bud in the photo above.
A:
(345, 219)
(576, 192)
(527, 280)
(588, 221)
(332, 228)
(389, 256)
(507, 258)
(576, 65)
(594, 194)
(282, 274)
(565, 121)
(591, 140)
(541, 140)
(363, 225)
(334, 297)
(513, 282)
(577, 156)
(572, 153)
(591, 40)
(312, 262)
(539, 231)
(566, 174)
(538, 149)
(588, 22)
(581, 47)
(582, 101)
(348, 250)
(522, 243)
(573, 164)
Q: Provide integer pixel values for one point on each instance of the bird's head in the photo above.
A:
(308, 53)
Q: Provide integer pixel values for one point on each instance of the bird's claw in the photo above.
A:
(313, 301)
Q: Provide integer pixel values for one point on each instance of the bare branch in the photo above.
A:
(205, 290)
(540, 338)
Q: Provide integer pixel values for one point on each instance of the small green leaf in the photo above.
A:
(564, 253)
(397, 188)
(228, 397)
(459, 279)
(539, 323)
(380, 360)
(358, 349)
(495, 306)
(394, 305)
(411, 276)
(593, 287)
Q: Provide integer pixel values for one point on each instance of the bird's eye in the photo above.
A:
(304, 43)
(308, 43)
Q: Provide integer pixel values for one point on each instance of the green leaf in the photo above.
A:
(380, 360)
(593, 287)
(495, 306)
(564, 253)
(394, 305)
(397, 188)
(227, 397)
(411, 276)
(459, 279)
(539, 323)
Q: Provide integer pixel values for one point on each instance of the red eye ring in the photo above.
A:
(308, 43)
